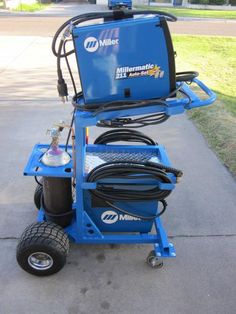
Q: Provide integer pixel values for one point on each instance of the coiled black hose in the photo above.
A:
(125, 135)
(126, 171)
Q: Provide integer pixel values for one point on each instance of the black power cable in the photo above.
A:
(125, 135)
(68, 67)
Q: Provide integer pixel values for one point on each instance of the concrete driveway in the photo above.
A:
(111, 279)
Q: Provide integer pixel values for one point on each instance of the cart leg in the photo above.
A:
(163, 247)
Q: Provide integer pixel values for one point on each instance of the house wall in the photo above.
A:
(11, 4)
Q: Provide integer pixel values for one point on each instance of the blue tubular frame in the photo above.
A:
(82, 225)
(195, 100)
(173, 106)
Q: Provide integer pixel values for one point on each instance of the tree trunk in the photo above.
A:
(4, 4)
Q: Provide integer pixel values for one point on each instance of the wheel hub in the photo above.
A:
(40, 261)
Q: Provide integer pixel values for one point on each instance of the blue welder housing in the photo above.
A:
(129, 59)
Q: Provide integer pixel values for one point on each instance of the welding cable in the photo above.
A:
(97, 108)
(122, 122)
(134, 123)
(72, 133)
(36, 178)
(125, 135)
(186, 76)
(66, 27)
(123, 211)
(143, 121)
(71, 125)
(36, 169)
(187, 96)
(69, 132)
(126, 171)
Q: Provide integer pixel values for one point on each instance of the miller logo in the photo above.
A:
(110, 217)
(91, 44)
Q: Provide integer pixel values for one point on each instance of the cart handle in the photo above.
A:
(195, 100)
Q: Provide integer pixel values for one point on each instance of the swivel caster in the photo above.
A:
(153, 261)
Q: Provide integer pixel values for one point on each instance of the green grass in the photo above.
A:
(31, 7)
(184, 12)
(214, 58)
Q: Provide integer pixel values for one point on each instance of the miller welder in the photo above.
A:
(109, 192)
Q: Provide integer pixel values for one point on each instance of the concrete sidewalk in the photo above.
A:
(111, 279)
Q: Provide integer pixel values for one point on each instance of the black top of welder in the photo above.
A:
(119, 15)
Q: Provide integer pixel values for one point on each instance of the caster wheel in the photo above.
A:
(38, 195)
(42, 249)
(153, 261)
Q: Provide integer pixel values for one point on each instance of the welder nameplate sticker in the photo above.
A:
(148, 69)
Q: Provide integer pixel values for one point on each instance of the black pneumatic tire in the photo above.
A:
(38, 195)
(42, 249)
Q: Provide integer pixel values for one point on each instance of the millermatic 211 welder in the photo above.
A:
(110, 191)
(124, 62)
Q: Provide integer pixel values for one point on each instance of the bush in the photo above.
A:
(217, 2)
(199, 1)
(212, 2)
(232, 2)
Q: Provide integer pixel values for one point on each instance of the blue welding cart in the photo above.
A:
(118, 89)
